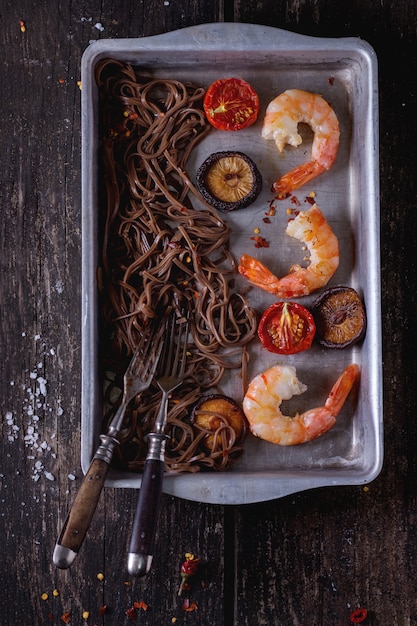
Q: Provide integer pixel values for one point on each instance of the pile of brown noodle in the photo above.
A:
(158, 251)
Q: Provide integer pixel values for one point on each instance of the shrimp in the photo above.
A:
(266, 392)
(282, 117)
(311, 228)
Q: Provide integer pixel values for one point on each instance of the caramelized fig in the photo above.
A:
(340, 317)
(229, 180)
(214, 410)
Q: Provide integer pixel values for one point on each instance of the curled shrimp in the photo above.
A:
(266, 392)
(282, 117)
(311, 228)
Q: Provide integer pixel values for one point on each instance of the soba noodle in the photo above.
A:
(158, 251)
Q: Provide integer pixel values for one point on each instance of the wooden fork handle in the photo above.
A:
(146, 518)
(81, 513)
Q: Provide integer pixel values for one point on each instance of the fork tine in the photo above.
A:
(173, 358)
(146, 356)
(180, 356)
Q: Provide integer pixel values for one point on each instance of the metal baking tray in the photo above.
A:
(344, 71)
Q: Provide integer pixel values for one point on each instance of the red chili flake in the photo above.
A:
(358, 616)
(51, 617)
(22, 26)
(331, 80)
(66, 617)
(272, 209)
(310, 200)
(295, 200)
(282, 196)
(266, 220)
(188, 570)
(260, 242)
(103, 609)
(189, 606)
(141, 605)
(131, 614)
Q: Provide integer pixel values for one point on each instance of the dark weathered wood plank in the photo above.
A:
(40, 235)
(314, 556)
(306, 559)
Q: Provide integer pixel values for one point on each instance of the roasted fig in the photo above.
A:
(229, 180)
(213, 411)
(340, 317)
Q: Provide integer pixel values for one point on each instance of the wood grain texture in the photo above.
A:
(305, 560)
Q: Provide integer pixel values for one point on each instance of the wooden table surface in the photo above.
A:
(308, 559)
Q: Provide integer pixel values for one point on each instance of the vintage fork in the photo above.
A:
(137, 378)
(142, 541)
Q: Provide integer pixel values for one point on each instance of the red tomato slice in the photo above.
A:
(231, 104)
(286, 328)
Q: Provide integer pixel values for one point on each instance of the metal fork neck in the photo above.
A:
(156, 450)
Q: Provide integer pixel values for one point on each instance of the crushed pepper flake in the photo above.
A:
(66, 617)
(22, 26)
(141, 605)
(358, 616)
(260, 242)
(189, 606)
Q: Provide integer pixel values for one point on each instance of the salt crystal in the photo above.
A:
(37, 337)
(49, 476)
(71, 476)
(33, 375)
(99, 26)
(52, 351)
(42, 385)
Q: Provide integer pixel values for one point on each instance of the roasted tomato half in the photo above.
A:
(231, 104)
(286, 328)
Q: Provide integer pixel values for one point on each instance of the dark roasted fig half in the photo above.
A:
(340, 317)
(213, 411)
(229, 180)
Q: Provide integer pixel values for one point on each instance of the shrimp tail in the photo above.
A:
(318, 421)
(342, 388)
(297, 177)
(257, 273)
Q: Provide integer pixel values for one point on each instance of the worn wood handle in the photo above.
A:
(81, 513)
(146, 518)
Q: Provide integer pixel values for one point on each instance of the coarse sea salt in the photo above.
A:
(35, 407)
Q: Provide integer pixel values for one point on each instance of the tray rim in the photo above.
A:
(214, 38)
